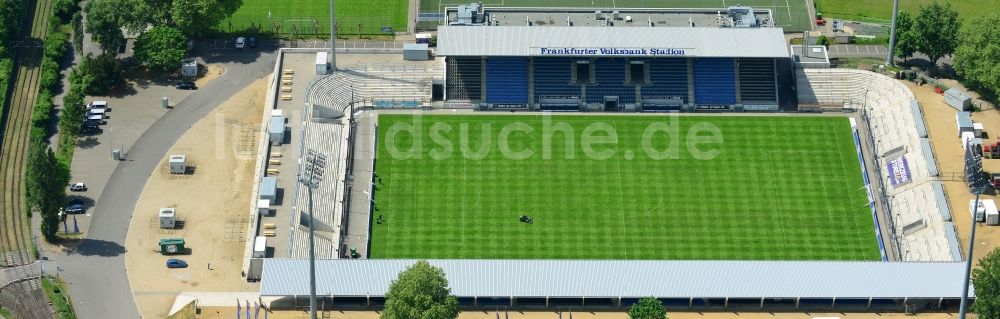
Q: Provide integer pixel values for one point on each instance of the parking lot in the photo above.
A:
(127, 117)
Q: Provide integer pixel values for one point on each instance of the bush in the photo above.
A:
(77, 23)
(64, 9)
(100, 74)
(823, 40)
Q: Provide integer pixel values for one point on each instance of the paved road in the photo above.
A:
(95, 270)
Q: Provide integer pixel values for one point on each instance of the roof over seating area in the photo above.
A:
(630, 278)
(611, 41)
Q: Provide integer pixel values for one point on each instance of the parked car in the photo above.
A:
(97, 111)
(241, 42)
(78, 187)
(74, 209)
(252, 42)
(91, 129)
(97, 105)
(186, 86)
(176, 263)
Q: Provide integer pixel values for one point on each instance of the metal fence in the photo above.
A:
(309, 26)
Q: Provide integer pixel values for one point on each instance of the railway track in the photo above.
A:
(24, 298)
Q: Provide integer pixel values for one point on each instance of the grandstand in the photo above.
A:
(917, 205)
(700, 60)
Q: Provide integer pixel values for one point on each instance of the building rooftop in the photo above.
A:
(630, 278)
(611, 41)
(618, 17)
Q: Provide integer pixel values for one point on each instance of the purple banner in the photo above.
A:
(899, 171)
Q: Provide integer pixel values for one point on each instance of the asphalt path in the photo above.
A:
(95, 269)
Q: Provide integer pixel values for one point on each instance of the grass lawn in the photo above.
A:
(790, 14)
(55, 289)
(855, 9)
(372, 14)
(780, 188)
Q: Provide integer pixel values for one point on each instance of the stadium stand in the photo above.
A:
(757, 80)
(610, 74)
(714, 81)
(668, 77)
(464, 78)
(551, 78)
(507, 80)
(889, 109)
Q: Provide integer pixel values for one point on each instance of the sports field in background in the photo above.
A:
(790, 14)
(372, 14)
(856, 9)
(781, 188)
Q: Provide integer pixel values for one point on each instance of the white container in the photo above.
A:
(321, 64)
(978, 129)
(993, 218)
(260, 247)
(168, 218)
(979, 214)
(990, 209)
(178, 164)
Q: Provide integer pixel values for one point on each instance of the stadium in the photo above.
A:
(684, 154)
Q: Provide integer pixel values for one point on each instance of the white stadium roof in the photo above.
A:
(632, 278)
(529, 41)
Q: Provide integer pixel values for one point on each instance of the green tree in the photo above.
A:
(823, 40)
(195, 16)
(106, 20)
(986, 279)
(161, 48)
(421, 291)
(907, 38)
(46, 183)
(647, 308)
(937, 24)
(977, 58)
(100, 74)
(64, 9)
(77, 23)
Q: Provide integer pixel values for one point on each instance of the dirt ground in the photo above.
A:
(941, 126)
(212, 201)
(219, 312)
(212, 71)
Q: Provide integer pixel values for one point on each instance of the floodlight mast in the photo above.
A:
(892, 33)
(333, 47)
(978, 185)
(314, 163)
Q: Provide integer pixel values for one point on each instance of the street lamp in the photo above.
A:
(978, 184)
(310, 177)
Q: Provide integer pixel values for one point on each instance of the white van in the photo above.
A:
(97, 105)
(97, 111)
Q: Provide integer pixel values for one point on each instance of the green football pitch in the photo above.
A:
(789, 14)
(862, 9)
(307, 15)
(773, 188)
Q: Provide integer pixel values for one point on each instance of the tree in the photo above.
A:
(64, 9)
(823, 40)
(107, 18)
(647, 308)
(907, 38)
(421, 291)
(77, 23)
(986, 279)
(46, 181)
(937, 26)
(100, 74)
(161, 48)
(195, 16)
(977, 58)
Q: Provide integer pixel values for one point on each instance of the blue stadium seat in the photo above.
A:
(507, 80)
(610, 78)
(667, 77)
(553, 76)
(714, 81)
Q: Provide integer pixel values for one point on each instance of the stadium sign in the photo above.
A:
(566, 51)
(510, 106)
(899, 171)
